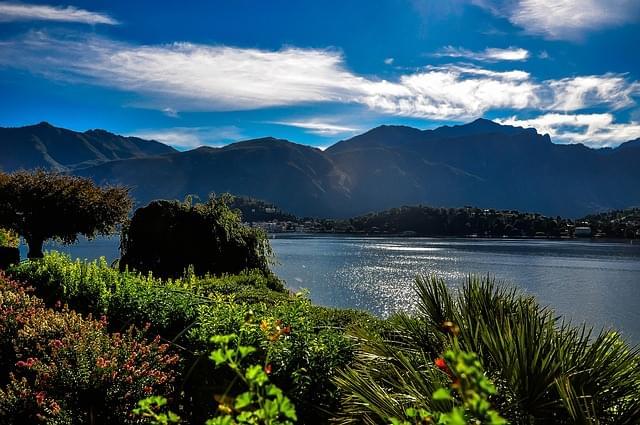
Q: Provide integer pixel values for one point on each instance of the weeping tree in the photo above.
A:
(169, 237)
(44, 205)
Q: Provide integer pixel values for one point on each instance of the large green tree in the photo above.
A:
(43, 205)
(168, 237)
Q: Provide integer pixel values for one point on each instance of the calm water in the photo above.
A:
(595, 282)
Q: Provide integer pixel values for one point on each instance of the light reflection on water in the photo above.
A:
(593, 282)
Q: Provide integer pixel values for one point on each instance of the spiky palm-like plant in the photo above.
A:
(546, 370)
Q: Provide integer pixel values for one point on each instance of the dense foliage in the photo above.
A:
(189, 311)
(169, 237)
(255, 210)
(616, 224)
(428, 221)
(9, 239)
(545, 371)
(58, 367)
(42, 205)
(420, 220)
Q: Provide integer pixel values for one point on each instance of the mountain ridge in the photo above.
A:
(43, 145)
(480, 163)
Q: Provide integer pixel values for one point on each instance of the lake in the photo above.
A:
(593, 282)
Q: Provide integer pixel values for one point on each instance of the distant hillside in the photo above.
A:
(298, 178)
(256, 210)
(46, 146)
(481, 163)
(421, 220)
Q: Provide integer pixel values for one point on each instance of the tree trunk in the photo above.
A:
(35, 248)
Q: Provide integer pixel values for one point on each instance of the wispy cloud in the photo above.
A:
(564, 19)
(196, 77)
(388, 61)
(595, 130)
(572, 94)
(192, 137)
(321, 128)
(490, 54)
(31, 12)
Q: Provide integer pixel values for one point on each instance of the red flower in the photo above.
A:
(40, 397)
(267, 369)
(56, 343)
(441, 364)
(55, 408)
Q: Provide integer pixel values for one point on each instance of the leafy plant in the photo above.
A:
(63, 368)
(191, 309)
(261, 403)
(545, 370)
(468, 395)
(9, 238)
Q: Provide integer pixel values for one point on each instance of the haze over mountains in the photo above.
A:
(481, 163)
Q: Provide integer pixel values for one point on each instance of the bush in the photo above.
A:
(169, 237)
(545, 371)
(59, 367)
(190, 310)
(304, 354)
(9, 238)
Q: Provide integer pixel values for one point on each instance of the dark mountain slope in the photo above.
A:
(481, 163)
(46, 146)
(295, 177)
(484, 163)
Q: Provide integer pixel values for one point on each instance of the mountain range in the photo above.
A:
(481, 163)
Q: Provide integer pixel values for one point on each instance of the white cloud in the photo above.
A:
(170, 112)
(31, 12)
(318, 127)
(457, 92)
(195, 77)
(192, 137)
(192, 76)
(388, 61)
(490, 54)
(595, 130)
(564, 19)
(571, 94)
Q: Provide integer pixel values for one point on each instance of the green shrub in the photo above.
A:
(62, 368)
(9, 238)
(304, 354)
(250, 398)
(95, 287)
(191, 309)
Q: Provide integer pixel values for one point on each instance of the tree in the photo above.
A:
(168, 237)
(42, 205)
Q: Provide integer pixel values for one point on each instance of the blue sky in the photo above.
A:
(315, 72)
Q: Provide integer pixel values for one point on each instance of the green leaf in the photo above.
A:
(442, 394)
(218, 356)
(243, 400)
(245, 350)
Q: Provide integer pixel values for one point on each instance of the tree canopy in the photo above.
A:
(168, 237)
(42, 205)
